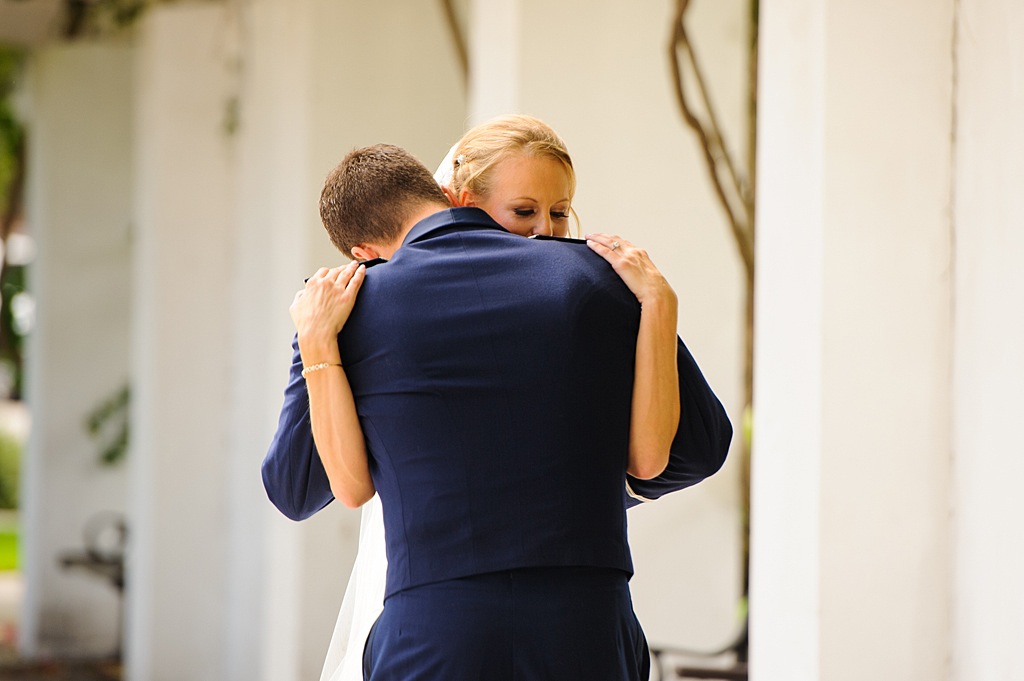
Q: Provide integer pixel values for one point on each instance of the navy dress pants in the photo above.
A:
(532, 624)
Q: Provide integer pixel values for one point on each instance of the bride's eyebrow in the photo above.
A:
(530, 198)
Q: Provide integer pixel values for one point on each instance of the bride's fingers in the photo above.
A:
(604, 237)
(332, 275)
(611, 242)
(344, 276)
(599, 248)
(356, 280)
(319, 274)
(336, 274)
(611, 250)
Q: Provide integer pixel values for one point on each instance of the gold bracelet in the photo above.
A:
(317, 367)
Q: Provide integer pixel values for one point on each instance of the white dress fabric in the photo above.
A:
(364, 599)
(364, 596)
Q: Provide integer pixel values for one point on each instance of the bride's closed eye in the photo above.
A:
(529, 212)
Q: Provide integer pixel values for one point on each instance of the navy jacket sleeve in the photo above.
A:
(701, 442)
(293, 474)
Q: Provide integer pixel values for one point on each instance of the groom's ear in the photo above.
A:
(364, 252)
(450, 195)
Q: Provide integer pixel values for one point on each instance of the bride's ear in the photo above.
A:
(465, 198)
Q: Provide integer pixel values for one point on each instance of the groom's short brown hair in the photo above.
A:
(370, 194)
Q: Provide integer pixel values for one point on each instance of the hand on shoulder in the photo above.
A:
(322, 307)
(635, 267)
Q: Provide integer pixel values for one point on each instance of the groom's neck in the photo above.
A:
(422, 212)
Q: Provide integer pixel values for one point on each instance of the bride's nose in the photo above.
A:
(544, 226)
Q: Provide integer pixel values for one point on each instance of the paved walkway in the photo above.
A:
(10, 601)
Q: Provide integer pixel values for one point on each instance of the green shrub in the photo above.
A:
(10, 464)
(8, 550)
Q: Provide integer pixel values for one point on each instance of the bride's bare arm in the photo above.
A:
(655, 415)
(320, 311)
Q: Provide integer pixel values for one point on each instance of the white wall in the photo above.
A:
(79, 212)
(988, 214)
(852, 452)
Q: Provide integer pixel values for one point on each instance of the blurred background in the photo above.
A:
(160, 165)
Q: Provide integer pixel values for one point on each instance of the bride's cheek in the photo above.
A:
(516, 227)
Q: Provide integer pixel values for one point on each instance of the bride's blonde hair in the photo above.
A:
(486, 145)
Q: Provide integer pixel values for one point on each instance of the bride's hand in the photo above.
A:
(635, 268)
(321, 309)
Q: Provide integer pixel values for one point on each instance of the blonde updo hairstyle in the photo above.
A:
(482, 148)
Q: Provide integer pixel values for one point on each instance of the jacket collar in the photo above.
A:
(459, 218)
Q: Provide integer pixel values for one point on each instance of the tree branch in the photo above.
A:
(711, 143)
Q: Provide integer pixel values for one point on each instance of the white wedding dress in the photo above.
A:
(364, 596)
(363, 602)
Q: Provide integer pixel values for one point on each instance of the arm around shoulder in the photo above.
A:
(655, 410)
(293, 474)
(701, 442)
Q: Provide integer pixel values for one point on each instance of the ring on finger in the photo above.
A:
(615, 245)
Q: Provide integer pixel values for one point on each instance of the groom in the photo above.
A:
(493, 379)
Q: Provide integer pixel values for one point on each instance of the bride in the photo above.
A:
(516, 168)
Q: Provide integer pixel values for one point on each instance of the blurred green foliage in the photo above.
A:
(10, 466)
(12, 135)
(12, 159)
(8, 550)
(101, 17)
(12, 282)
(107, 424)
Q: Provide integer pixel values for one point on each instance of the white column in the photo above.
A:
(182, 354)
(788, 392)
(79, 212)
(273, 204)
(851, 566)
(988, 366)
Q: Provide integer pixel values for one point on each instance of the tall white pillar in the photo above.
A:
(182, 351)
(273, 207)
(851, 538)
(988, 212)
(79, 212)
(786, 534)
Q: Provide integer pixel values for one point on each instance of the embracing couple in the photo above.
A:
(505, 398)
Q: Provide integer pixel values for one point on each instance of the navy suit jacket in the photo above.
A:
(493, 378)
